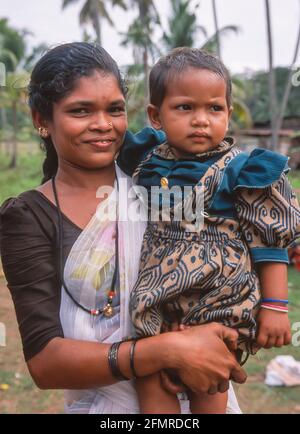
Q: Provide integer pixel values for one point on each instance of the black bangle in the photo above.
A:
(132, 359)
(113, 362)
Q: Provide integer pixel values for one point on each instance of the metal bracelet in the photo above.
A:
(132, 367)
(113, 362)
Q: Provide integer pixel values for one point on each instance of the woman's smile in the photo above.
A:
(101, 144)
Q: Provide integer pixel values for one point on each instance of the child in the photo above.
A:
(251, 215)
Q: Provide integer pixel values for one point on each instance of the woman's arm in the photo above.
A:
(200, 356)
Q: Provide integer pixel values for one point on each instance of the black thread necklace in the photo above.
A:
(107, 309)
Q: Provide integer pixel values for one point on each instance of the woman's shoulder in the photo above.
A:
(261, 168)
(24, 213)
(19, 204)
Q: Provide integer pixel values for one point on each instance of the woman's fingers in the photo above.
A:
(228, 335)
(238, 375)
(213, 390)
(169, 385)
(223, 387)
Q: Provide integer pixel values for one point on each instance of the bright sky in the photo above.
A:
(247, 50)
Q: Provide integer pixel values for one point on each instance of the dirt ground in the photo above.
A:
(18, 394)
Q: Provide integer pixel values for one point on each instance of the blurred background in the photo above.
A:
(258, 40)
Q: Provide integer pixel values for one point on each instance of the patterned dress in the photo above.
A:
(196, 277)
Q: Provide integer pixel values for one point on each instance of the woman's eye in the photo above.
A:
(79, 111)
(117, 110)
(183, 107)
(216, 108)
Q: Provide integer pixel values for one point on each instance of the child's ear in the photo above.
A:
(230, 111)
(153, 114)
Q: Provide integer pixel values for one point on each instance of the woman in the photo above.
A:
(70, 272)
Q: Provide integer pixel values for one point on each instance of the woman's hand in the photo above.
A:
(202, 358)
(274, 329)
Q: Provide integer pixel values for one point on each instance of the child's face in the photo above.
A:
(194, 113)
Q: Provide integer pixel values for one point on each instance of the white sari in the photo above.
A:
(93, 251)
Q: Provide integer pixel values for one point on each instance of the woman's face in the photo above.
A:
(89, 124)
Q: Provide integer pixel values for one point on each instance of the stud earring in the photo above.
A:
(43, 132)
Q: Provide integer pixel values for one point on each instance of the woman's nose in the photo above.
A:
(101, 122)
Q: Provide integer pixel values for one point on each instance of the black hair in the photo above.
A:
(54, 77)
(173, 64)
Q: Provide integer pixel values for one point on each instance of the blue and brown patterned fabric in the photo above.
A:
(252, 215)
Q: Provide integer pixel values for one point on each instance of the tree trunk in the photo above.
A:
(288, 83)
(272, 81)
(13, 162)
(96, 23)
(217, 29)
(4, 128)
(143, 13)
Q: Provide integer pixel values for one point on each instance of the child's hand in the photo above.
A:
(274, 329)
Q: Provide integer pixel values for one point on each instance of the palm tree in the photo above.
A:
(288, 86)
(14, 98)
(93, 11)
(139, 36)
(182, 26)
(214, 5)
(272, 80)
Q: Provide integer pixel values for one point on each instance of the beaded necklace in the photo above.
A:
(107, 310)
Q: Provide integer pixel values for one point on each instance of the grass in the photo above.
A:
(255, 397)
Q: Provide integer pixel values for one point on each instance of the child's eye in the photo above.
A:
(183, 107)
(216, 108)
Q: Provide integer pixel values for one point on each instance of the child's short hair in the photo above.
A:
(177, 61)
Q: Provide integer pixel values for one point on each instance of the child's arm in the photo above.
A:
(273, 327)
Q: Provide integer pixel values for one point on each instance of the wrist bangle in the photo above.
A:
(113, 362)
(132, 367)
(275, 308)
(274, 300)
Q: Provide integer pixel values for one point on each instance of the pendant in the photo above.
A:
(108, 310)
(164, 182)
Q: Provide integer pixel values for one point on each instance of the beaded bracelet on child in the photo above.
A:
(266, 303)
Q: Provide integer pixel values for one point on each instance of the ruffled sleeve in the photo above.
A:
(31, 272)
(267, 208)
(136, 147)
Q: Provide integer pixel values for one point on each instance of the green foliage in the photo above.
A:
(182, 26)
(12, 45)
(26, 176)
(257, 94)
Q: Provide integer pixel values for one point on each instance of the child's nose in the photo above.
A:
(200, 119)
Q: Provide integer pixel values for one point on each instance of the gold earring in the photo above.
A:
(43, 132)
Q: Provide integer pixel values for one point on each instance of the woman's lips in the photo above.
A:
(101, 144)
